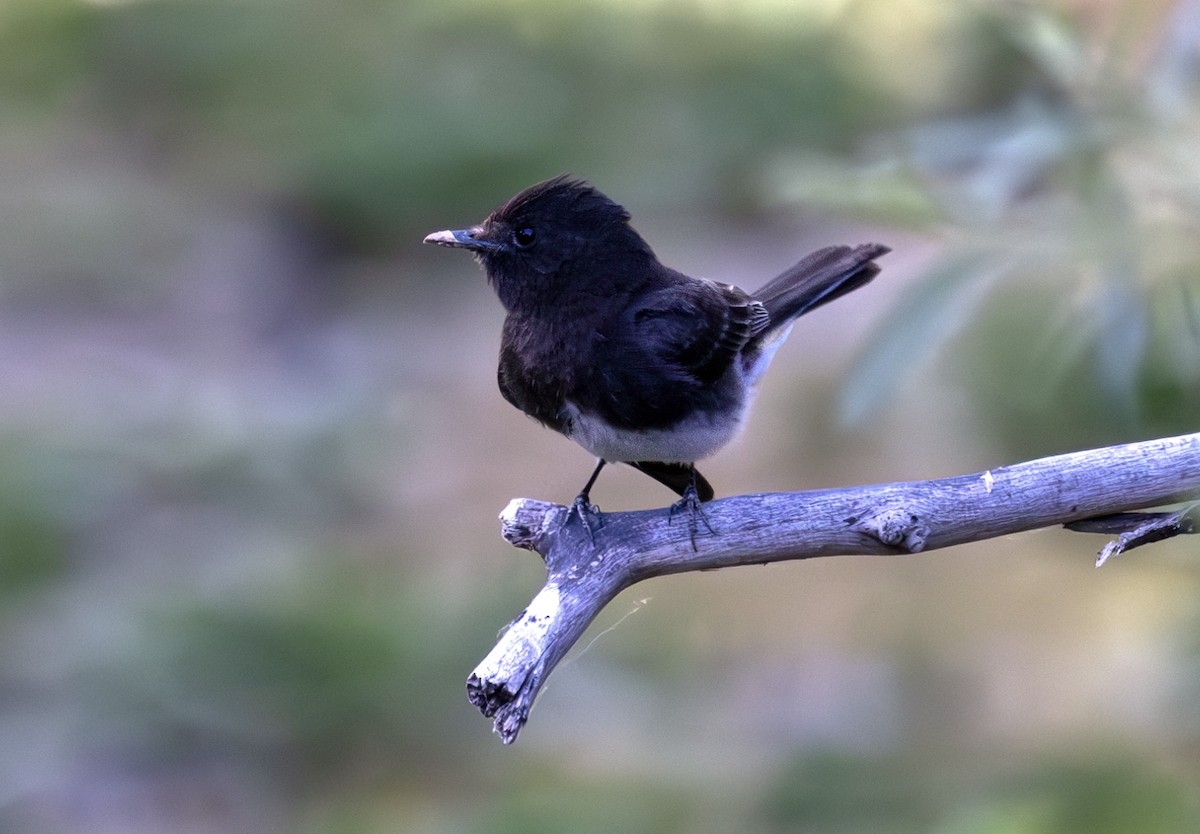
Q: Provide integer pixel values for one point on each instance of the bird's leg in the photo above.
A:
(583, 507)
(692, 504)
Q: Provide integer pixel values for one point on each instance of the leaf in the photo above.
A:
(934, 309)
(1171, 78)
(1121, 346)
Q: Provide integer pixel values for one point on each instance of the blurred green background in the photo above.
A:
(252, 453)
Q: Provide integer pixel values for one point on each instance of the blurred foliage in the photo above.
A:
(834, 791)
(377, 113)
(1081, 190)
(236, 589)
(1110, 794)
(1050, 390)
(34, 547)
(1114, 793)
(34, 543)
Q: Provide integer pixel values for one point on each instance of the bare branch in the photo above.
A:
(585, 573)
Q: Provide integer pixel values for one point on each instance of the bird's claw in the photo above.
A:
(695, 509)
(589, 515)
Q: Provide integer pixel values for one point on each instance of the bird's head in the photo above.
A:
(551, 238)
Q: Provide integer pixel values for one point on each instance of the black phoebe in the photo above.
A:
(632, 360)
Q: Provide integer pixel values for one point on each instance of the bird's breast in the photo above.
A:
(538, 365)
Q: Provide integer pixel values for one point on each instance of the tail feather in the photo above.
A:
(676, 476)
(823, 276)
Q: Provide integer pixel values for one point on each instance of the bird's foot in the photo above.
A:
(589, 515)
(690, 503)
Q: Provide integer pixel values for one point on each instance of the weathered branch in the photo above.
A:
(585, 573)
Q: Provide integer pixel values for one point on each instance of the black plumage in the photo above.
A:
(633, 360)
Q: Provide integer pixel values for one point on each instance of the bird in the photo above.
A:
(636, 362)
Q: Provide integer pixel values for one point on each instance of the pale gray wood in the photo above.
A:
(585, 572)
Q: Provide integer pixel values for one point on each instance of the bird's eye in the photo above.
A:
(524, 237)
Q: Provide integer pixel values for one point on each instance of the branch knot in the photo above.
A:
(895, 527)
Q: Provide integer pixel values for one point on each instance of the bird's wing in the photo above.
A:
(697, 328)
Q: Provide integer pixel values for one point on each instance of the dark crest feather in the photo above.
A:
(574, 193)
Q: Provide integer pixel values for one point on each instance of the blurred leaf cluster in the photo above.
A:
(379, 115)
(1070, 270)
(840, 792)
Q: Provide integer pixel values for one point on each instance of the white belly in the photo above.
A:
(688, 441)
(692, 439)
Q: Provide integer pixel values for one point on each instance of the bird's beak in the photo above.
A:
(460, 238)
